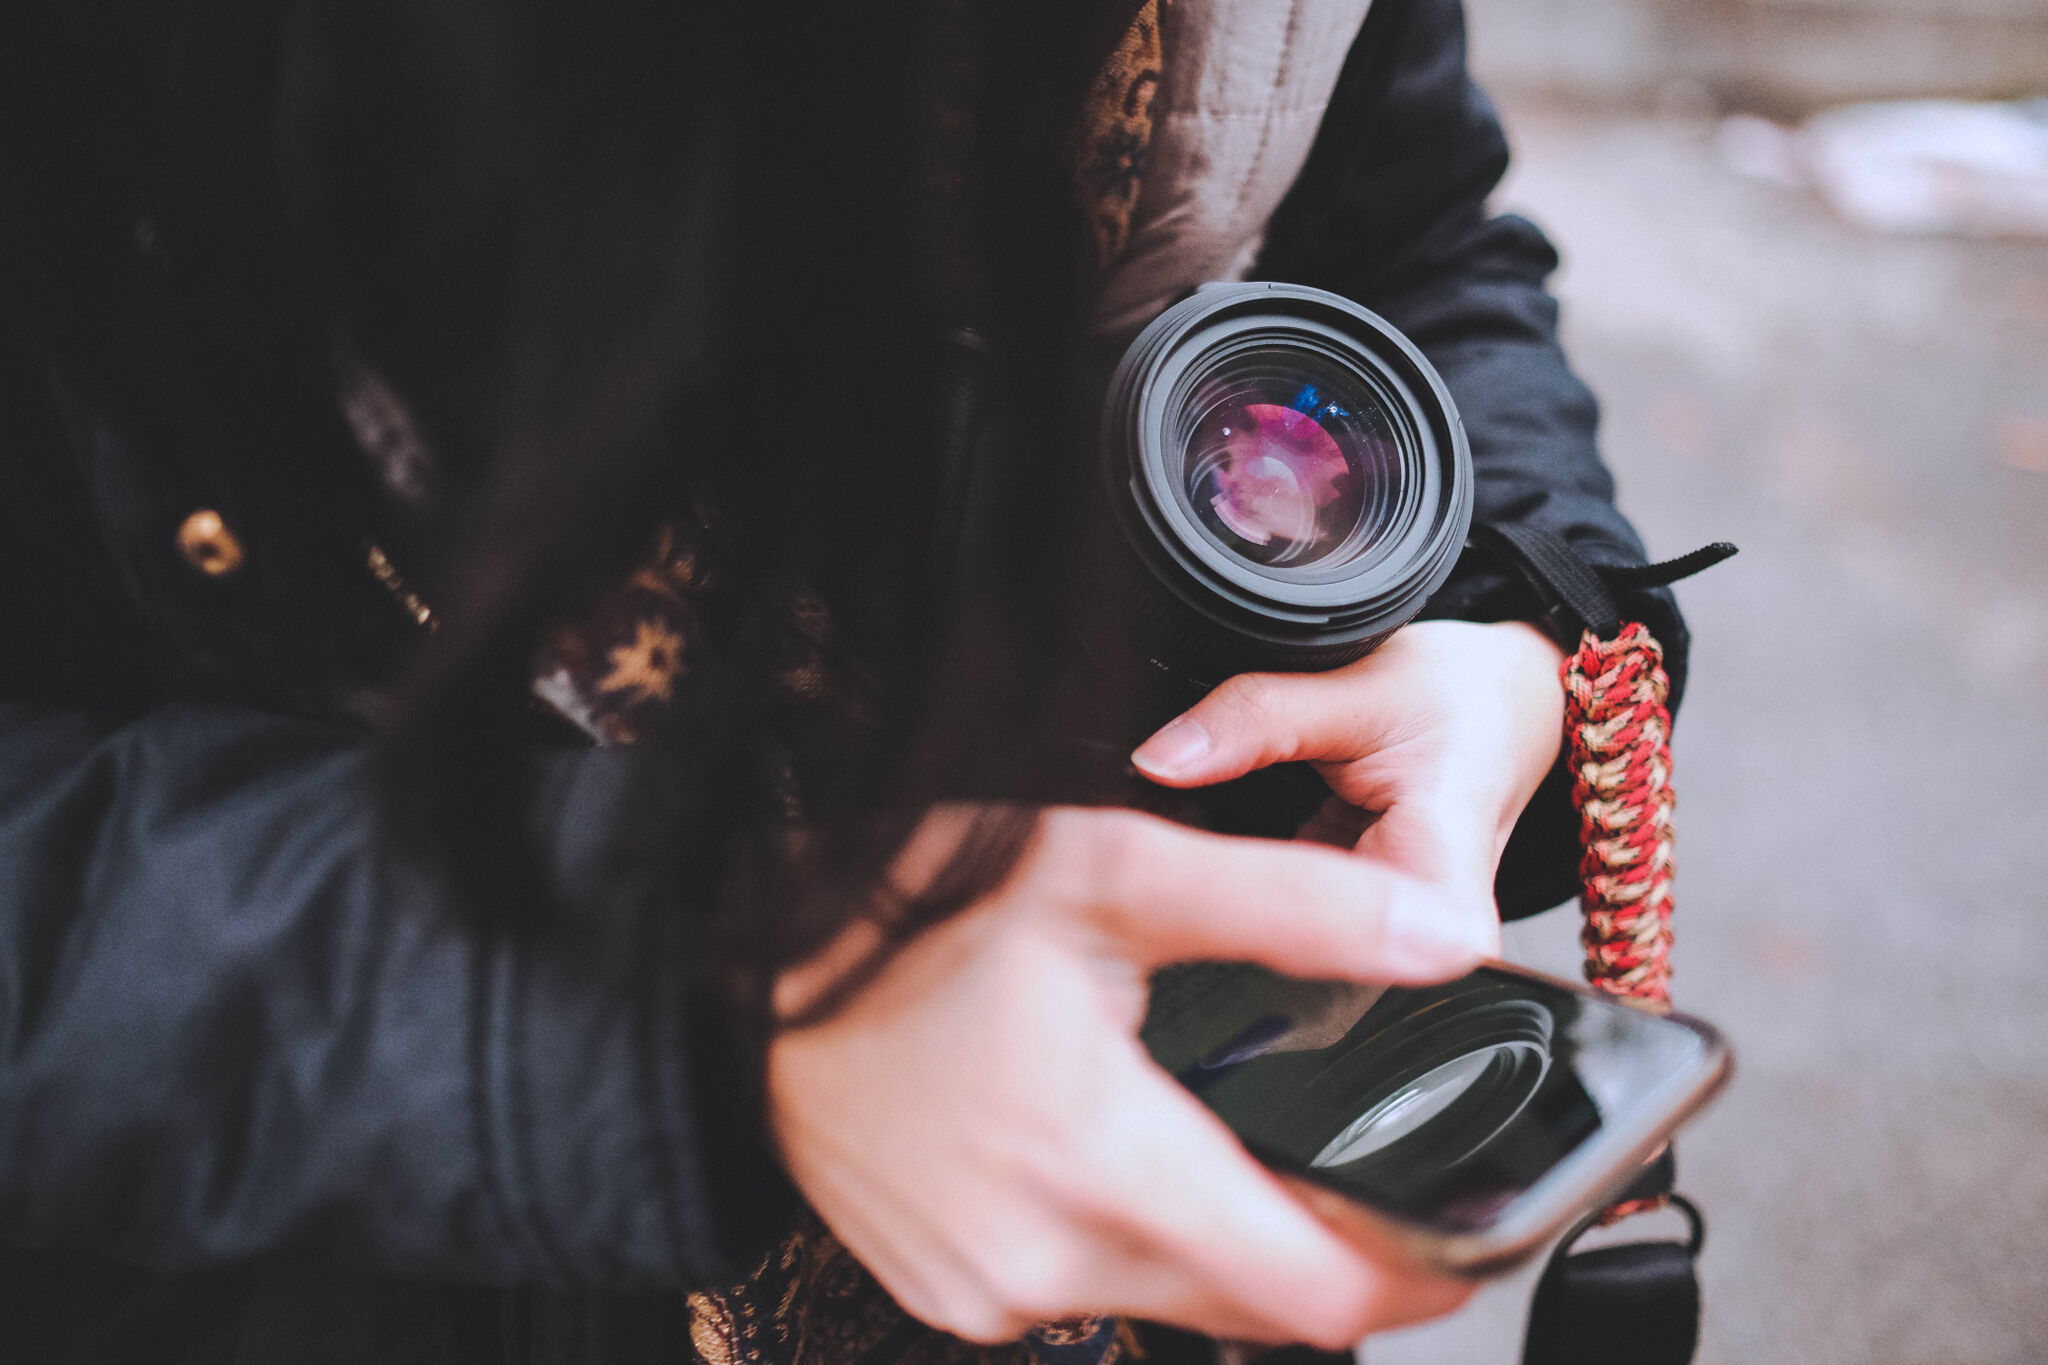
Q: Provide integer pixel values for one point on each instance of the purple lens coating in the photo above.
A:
(1282, 474)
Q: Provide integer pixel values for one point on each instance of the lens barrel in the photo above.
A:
(1290, 477)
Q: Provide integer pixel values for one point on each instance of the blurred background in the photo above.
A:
(1822, 333)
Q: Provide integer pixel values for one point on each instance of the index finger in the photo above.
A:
(1164, 893)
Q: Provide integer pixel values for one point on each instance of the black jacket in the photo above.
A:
(261, 1099)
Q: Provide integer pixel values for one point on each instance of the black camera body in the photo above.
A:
(1290, 479)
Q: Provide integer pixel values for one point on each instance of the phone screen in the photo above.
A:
(1438, 1104)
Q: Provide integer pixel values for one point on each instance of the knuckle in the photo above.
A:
(1112, 862)
(1485, 925)
(1073, 847)
(1324, 884)
(1468, 903)
(1332, 1338)
(964, 1309)
(1034, 1283)
(1061, 831)
(1338, 1321)
(1478, 914)
(1255, 696)
(986, 1324)
(1087, 1167)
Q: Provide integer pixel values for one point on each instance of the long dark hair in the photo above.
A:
(626, 262)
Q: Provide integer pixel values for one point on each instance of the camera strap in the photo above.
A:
(1637, 1303)
(1634, 1304)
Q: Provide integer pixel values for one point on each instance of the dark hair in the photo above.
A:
(623, 260)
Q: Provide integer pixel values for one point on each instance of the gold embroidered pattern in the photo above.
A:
(647, 668)
(609, 671)
(812, 1303)
(1114, 134)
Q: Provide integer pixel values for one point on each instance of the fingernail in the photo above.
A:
(1175, 750)
(1426, 938)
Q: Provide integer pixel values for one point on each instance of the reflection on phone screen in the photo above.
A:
(1438, 1104)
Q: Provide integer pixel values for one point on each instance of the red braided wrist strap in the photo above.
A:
(1620, 736)
(1619, 730)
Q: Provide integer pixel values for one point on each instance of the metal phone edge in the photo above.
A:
(1481, 1254)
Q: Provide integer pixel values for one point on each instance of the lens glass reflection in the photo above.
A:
(1406, 1110)
(1440, 1103)
(1290, 461)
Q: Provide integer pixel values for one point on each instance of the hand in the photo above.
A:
(1443, 734)
(983, 1130)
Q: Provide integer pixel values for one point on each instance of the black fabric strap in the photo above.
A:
(1664, 573)
(1635, 1304)
(1566, 582)
(1561, 579)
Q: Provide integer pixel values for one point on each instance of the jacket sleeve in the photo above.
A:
(229, 1023)
(1390, 210)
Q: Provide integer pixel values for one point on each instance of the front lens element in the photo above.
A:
(1404, 1111)
(1463, 1103)
(1290, 462)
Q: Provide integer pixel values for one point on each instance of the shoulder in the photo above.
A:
(1241, 102)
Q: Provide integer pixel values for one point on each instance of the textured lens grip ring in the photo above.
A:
(1186, 648)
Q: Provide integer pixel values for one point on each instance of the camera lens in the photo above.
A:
(1493, 1082)
(1426, 1091)
(1280, 471)
(1290, 476)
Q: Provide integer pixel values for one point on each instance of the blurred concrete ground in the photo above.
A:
(1863, 757)
(1785, 56)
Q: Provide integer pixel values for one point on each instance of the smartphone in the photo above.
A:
(1472, 1121)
